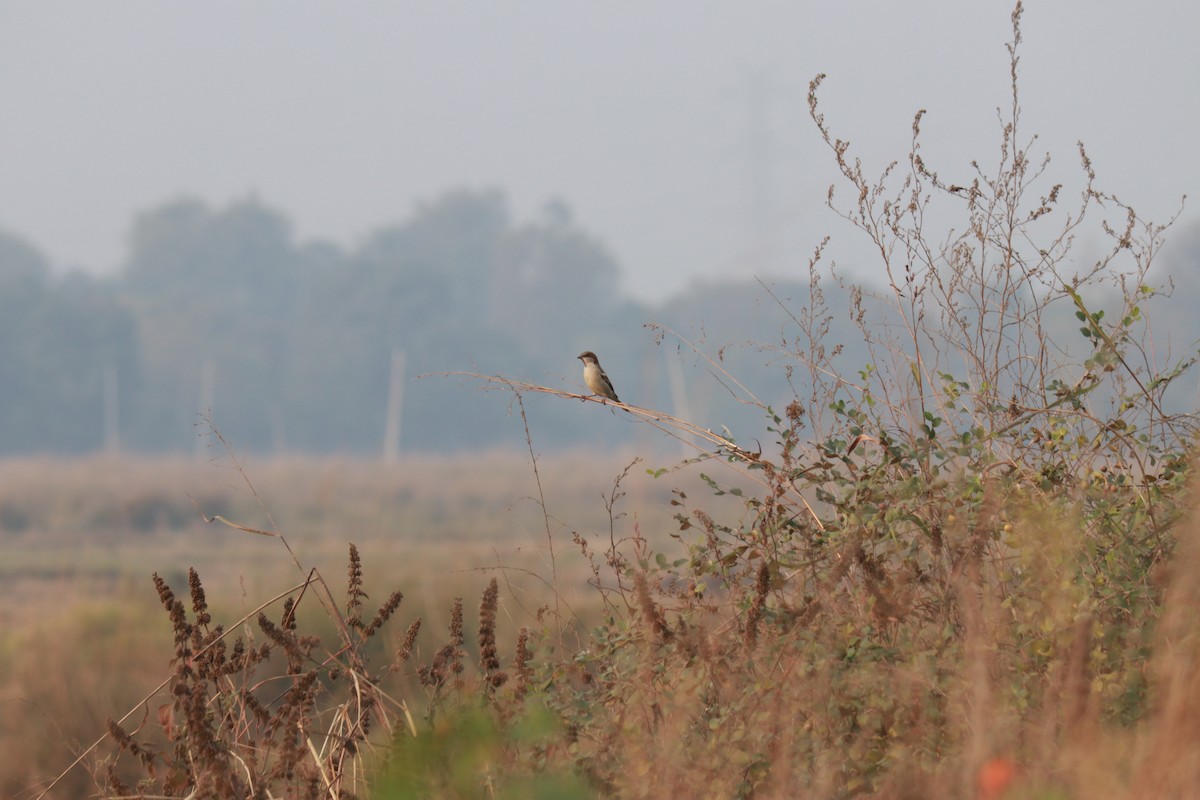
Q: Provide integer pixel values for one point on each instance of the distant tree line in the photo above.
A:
(290, 344)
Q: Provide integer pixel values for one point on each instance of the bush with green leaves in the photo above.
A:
(956, 552)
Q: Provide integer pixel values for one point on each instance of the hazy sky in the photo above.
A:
(677, 131)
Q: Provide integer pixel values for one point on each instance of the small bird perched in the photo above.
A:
(594, 377)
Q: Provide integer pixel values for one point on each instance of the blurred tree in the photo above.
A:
(56, 340)
(215, 288)
(23, 270)
(292, 343)
(238, 255)
(418, 287)
(551, 281)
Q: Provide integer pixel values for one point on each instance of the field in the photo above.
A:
(83, 636)
(1036, 685)
(96, 524)
(968, 567)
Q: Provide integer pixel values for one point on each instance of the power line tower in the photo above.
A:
(761, 157)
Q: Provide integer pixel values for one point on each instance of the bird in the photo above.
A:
(594, 377)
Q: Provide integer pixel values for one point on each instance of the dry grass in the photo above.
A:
(970, 570)
(84, 535)
(92, 525)
(743, 695)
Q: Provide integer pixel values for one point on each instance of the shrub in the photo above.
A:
(949, 562)
(946, 576)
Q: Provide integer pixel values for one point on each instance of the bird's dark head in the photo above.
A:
(588, 357)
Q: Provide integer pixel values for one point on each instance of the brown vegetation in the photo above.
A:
(967, 571)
